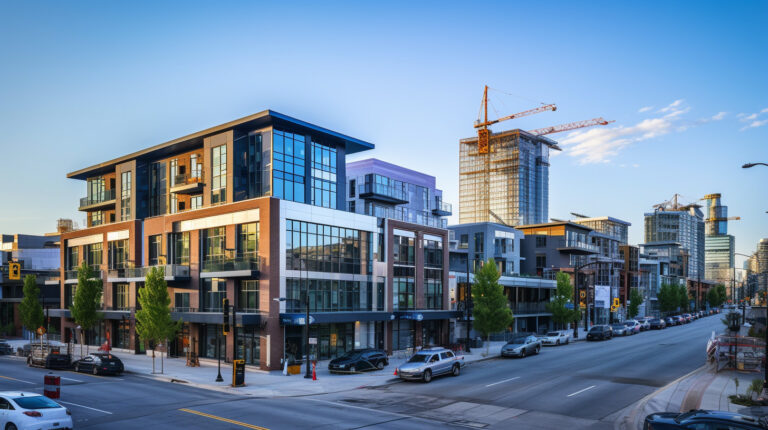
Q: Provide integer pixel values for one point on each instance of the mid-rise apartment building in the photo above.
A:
(683, 225)
(254, 210)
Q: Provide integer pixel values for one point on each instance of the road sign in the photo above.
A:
(313, 341)
(41, 331)
(14, 271)
(569, 305)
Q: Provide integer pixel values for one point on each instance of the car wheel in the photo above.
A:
(95, 370)
(352, 369)
(380, 365)
(538, 348)
(456, 370)
(522, 353)
(558, 342)
(427, 375)
(567, 341)
(77, 368)
(11, 426)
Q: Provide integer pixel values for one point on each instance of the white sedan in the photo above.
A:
(556, 338)
(22, 410)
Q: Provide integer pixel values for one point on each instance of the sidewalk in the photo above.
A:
(700, 389)
(261, 383)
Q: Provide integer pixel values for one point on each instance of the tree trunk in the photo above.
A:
(162, 365)
(153, 358)
(487, 344)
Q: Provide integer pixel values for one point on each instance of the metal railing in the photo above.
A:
(529, 308)
(230, 264)
(184, 309)
(102, 197)
(569, 243)
(442, 206)
(169, 270)
(195, 177)
(383, 190)
(72, 274)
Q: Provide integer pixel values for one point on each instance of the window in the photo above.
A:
(118, 254)
(249, 168)
(464, 241)
(323, 175)
(96, 190)
(288, 166)
(195, 166)
(352, 185)
(214, 291)
(125, 196)
(93, 255)
(72, 257)
(479, 242)
(541, 241)
(174, 165)
(97, 218)
(249, 345)
(181, 302)
(248, 296)
(352, 206)
(195, 202)
(324, 248)
(433, 288)
(248, 240)
(326, 295)
(541, 261)
(181, 248)
(120, 295)
(157, 189)
(214, 243)
(155, 249)
(403, 250)
(433, 253)
(219, 175)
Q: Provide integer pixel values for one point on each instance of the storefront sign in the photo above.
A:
(313, 341)
(296, 319)
(333, 339)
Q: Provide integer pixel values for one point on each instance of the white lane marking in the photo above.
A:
(18, 380)
(581, 391)
(86, 407)
(501, 382)
(70, 379)
(357, 407)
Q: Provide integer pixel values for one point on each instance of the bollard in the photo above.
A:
(52, 386)
(314, 374)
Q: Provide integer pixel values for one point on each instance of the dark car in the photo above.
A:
(359, 360)
(701, 419)
(99, 363)
(658, 324)
(600, 332)
(5, 348)
(670, 321)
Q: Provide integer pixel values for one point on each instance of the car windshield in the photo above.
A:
(617, 326)
(419, 358)
(516, 341)
(350, 355)
(553, 333)
(36, 402)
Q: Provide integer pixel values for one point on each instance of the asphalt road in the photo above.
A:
(582, 385)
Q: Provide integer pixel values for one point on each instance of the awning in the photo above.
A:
(425, 315)
(334, 317)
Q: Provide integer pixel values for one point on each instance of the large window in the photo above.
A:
(324, 248)
(404, 250)
(433, 253)
(181, 248)
(72, 257)
(214, 244)
(96, 190)
(118, 254)
(433, 288)
(157, 188)
(323, 175)
(219, 175)
(249, 345)
(181, 302)
(94, 255)
(214, 291)
(327, 295)
(249, 169)
(404, 279)
(120, 297)
(248, 296)
(125, 196)
(288, 166)
(155, 249)
(195, 202)
(248, 240)
(97, 218)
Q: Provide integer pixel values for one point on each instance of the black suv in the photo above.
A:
(600, 332)
(358, 360)
(696, 419)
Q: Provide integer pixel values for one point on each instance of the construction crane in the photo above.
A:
(484, 135)
(673, 204)
(569, 126)
(714, 199)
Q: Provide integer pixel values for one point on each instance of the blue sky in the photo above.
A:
(83, 83)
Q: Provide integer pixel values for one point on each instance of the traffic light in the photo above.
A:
(225, 304)
(14, 271)
(616, 303)
(583, 294)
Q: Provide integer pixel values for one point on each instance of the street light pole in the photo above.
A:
(307, 373)
(466, 307)
(586, 293)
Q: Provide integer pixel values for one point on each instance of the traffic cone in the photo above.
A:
(314, 374)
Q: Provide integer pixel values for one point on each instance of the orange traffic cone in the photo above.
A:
(395, 371)
(314, 374)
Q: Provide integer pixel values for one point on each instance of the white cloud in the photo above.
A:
(645, 109)
(750, 117)
(755, 124)
(753, 120)
(600, 144)
(764, 110)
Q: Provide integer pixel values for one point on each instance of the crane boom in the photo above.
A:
(539, 109)
(569, 126)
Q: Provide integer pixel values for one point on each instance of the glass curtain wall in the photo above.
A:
(126, 185)
(219, 175)
(404, 267)
(323, 175)
(288, 166)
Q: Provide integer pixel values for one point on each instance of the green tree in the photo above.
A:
(30, 309)
(722, 293)
(490, 309)
(683, 298)
(87, 301)
(713, 297)
(153, 321)
(634, 303)
(563, 295)
(668, 298)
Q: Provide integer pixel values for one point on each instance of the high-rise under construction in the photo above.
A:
(719, 245)
(506, 181)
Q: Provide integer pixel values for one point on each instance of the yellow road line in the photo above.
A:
(14, 379)
(226, 420)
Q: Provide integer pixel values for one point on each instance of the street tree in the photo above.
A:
(87, 302)
(683, 298)
(722, 293)
(561, 314)
(668, 298)
(153, 321)
(713, 297)
(30, 309)
(490, 309)
(634, 303)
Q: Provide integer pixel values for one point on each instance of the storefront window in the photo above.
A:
(214, 291)
(324, 248)
(249, 345)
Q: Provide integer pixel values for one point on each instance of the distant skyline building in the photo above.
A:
(718, 244)
(507, 184)
(682, 224)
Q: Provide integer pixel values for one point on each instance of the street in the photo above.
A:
(582, 385)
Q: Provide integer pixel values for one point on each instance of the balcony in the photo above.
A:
(70, 276)
(103, 200)
(383, 193)
(578, 248)
(442, 208)
(171, 272)
(529, 308)
(188, 183)
(237, 267)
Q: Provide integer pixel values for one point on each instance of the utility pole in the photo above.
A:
(467, 293)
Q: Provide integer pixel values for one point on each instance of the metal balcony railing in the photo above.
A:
(194, 177)
(230, 264)
(395, 193)
(169, 271)
(442, 207)
(529, 308)
(569, 243)
(101, 197)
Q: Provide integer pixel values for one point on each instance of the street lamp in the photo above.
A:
(307, 373)
(748, 165)
(576, 295)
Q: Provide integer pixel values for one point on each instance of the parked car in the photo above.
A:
(520, 346)
(359, 360)
(5, 348)
(24, 350)
(634, 326)
(680, 319)
(559, 337)
(701, 419)
(99, 363)
(670, 321)
(24, 410)
(658, 324)
(645, 323)
(600, 332)
(48, 356)
(688, 317)
(428, 363)
(620, 329)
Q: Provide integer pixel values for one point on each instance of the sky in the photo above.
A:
(685, 83)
